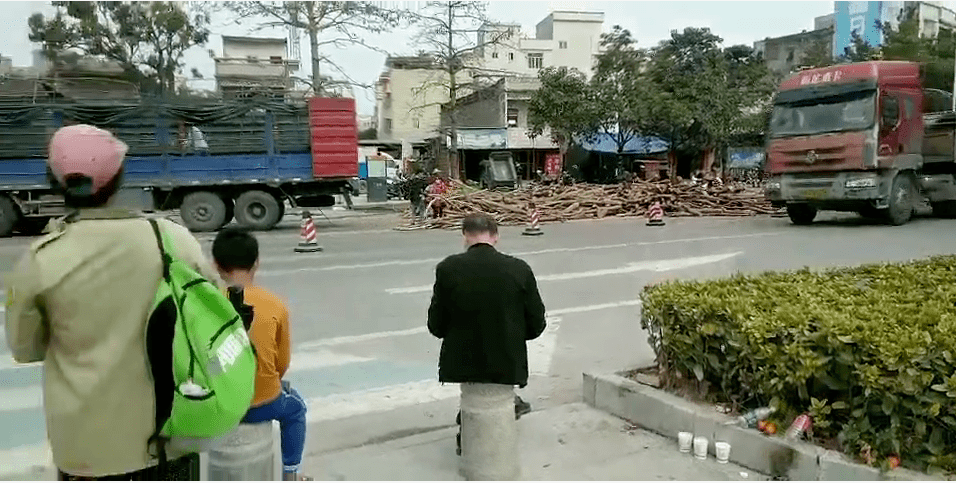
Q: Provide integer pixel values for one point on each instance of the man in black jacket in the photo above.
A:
(485, 307)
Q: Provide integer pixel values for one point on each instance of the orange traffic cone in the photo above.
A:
(655, 215)
(307, 242)
(533, 229)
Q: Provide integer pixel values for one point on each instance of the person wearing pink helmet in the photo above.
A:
(79, 301)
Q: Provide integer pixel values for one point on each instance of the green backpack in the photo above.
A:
(202, 362)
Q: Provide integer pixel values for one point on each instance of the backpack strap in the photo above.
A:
(156, 438)
(167, 260)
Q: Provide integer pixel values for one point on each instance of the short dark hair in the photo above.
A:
(478, 223)
(235, 249)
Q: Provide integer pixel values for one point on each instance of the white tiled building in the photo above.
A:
(411, 90)
(253, 63)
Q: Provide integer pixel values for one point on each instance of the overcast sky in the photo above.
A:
(737, 22)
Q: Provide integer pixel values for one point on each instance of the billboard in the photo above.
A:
(859, 17)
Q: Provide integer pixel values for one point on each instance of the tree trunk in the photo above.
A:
(314, 49)
(450, 60)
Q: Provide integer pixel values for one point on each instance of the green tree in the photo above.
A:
(148, 39)
(564, 104)
(818, 54)
(328, 25)
(628, 97)
(859, 50)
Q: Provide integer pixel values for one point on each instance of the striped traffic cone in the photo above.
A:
(307, 242)
(533, 229)
(655, 215)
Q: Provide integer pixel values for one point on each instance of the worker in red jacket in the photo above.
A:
(436, 191)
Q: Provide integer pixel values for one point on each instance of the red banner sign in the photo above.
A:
(552, 164)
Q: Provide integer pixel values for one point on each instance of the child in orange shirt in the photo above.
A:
(236, 253)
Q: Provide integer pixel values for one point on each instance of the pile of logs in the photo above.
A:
(559, 203)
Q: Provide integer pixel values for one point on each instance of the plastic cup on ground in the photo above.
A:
(722, 450)
(700, 448)
(684, 441)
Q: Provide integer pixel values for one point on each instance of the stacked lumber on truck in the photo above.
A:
(559, 203)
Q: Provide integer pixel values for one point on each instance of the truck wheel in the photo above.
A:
(257, 210)
(9, 216)
(801, 214)
(944, 209)
(230, 211)
(901, 201)
(203, 211)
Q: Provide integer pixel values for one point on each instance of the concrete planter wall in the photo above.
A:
(667, 414)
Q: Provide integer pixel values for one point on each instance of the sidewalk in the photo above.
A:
(571, 442)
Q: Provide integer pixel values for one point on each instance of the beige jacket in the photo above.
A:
(79, 301)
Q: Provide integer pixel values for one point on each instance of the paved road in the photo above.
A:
(368, 367)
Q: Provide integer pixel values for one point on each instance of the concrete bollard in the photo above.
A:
(248, 453)
(489, 433)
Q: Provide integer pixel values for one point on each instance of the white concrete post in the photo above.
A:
(489, 433)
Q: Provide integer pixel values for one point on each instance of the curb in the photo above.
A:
(667, 414)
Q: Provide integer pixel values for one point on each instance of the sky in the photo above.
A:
(737, 22)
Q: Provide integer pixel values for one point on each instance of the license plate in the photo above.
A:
(815, 194)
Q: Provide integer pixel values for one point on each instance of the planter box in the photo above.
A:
(667, 414)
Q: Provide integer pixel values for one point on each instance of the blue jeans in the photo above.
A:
(289, 410)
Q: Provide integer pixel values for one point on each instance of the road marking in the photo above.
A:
(26, 459)
(19, 398)
(339, 406)
(353, 339)
(650, 265)
(422, 261)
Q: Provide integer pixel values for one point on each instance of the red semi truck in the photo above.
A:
(864, 137)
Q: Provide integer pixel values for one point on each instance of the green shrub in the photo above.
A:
(869, 351)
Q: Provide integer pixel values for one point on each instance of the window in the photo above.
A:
(388, 125)
(415, 123)
(275, 59)
(535, 61)
(891, 113)
(494, 55)
(511, 56)
(563, 44)
(512, 117)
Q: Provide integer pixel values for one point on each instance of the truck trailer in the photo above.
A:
(214, 161)
(864, 137)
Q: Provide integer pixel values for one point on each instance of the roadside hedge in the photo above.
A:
(869, 351)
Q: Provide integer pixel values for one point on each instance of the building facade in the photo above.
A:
(411, 90)
(251, 65)
(408, 98)
(787, 54)
(862, 18)
(565, 39)
(496, 119)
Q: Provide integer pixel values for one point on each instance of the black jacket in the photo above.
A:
(485, 306)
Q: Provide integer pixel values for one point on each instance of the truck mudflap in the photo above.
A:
(841, 191)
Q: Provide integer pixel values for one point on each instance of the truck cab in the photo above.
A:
(851, 138)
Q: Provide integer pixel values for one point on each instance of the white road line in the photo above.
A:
(352, 339)
(23, 459)
(650, 265)
(338, 406)
(422, 261)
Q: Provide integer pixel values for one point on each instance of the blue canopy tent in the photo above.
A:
(596, 159)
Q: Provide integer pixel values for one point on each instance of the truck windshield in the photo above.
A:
(849, 112)
(502, 171)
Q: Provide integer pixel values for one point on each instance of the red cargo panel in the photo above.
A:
(334, 131)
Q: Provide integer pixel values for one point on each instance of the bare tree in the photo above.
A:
(335, 24)
(454, 33)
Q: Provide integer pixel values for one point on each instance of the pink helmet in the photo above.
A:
(87, 151)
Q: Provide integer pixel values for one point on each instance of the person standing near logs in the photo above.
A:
(485, 306)
(436, 192)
